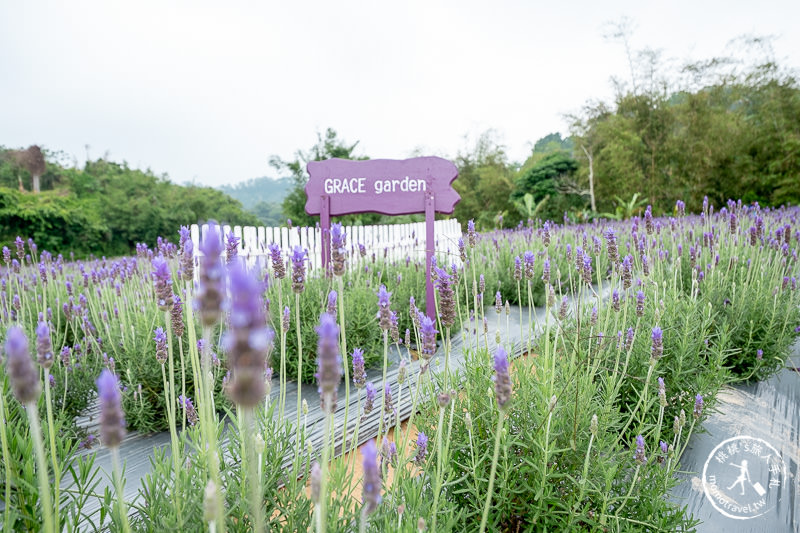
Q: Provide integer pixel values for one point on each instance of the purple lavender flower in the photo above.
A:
(546, 234)
(176, 316)
(210, 288)
(627, 272)
(44, 348)
(278, 268)
(546, 271)
(628, 339)
(112, 419)
(498, 303)
(638, 455)
(394, 328)
(388, 404)
(162, 281)
(316, 482)
(231, 247)
(502, 381)
(462, 253)
(338, 243)
(372, 478)
(615, 300)
(369, 402)
(481, 283)
(388, 452)
(384, 312)
(428, 337)
(20, 244)
(662, 392)
(6, 255)
(447, 304)
(657, 348)
(22, 375)
(593, 318)
(698, 406)
(529, 261)
(331, 309)
(611, 246)
(359, 375)
(562, 311)
(329, 363)
(188, 409)
(187, 260)
(517, 268)
(472, 236)
(298, 270)
(422, 448)
(759, 354)
(248, 340)
(285, 321)
(639, 303)
(161, 345)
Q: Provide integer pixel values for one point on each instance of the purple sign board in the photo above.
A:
(387, 186)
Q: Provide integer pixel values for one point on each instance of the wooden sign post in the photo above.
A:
(387, 186)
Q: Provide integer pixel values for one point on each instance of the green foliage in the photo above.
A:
(727, 132)
(106, 208)
(485, 181)
(547, 182)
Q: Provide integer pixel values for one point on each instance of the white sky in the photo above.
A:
(207, 91)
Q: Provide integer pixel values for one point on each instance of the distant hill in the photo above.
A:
(257, 190)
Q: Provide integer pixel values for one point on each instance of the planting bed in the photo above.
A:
(635, 327)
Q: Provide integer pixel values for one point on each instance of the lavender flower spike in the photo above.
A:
(657, 348)
(298, 270)
(384, 313)
(162, 281)
(161, 345)
(44, 348)
(338, 242)
(372, 478)
(22, 375)
(359, 375)
(502, 381)
(249, 340)
(369, 403)
(112, 419)
(329, 363)
(210, 288)
(639, 455)
(331, 309)
(428, 337)
(698, 406)
(422, 448)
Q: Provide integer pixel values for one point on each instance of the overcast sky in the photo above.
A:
(208, 91)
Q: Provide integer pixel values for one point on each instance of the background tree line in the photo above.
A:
(104, 208)
(728, 127)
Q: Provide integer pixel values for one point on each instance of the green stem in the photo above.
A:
(344, 360)
(256, 517)
(299, 375)
(51, 430)
(438, 481)
(121, 507)
(497, 433)
(41, 467)
(9, 478)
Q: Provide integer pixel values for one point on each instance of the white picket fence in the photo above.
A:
(396, 241)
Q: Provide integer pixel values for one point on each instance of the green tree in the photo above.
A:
(484, 183)
(327, 147)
